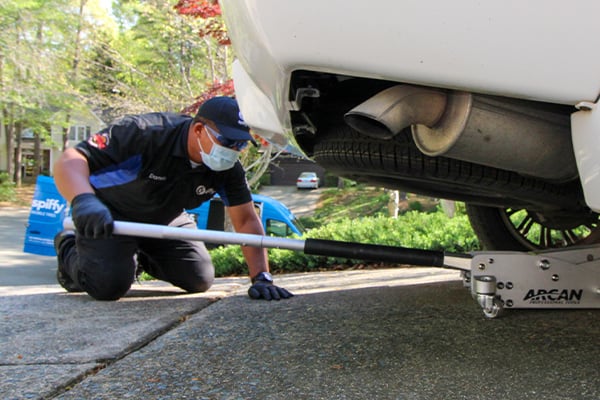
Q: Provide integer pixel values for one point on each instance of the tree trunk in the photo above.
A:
(18, 127)
(393, 204)
(4, 124)
(65, 135)
(260, 165)
(10, 143)
(210, 59)
(74, 70)
(3, 130)
(37, 155)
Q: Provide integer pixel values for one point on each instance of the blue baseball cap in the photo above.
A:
(226, 115)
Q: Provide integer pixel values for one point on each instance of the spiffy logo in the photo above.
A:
(554, 296)
(99, 140)
(52, 205)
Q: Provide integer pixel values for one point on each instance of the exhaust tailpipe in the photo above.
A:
(391, 110)
(508, 134)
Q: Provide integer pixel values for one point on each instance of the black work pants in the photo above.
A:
(105, 268)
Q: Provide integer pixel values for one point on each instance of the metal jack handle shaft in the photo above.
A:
(370, 252)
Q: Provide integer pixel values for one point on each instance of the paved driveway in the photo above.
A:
(410, 333)
(301, 202)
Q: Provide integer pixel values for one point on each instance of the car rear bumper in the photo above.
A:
(539, 50)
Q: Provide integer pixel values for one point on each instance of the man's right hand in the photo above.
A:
(91, 217)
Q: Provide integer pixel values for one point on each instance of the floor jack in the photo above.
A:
(500, 280)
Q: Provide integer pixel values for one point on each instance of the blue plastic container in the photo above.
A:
(48, 210)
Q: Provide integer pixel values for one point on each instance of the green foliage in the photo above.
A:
(309, 222)
(7, 188)
(228, 260)
(154, 60)
(429, 231)
(359, 214)
(420, 230)
(415, 205)
(61, 55)
(36, 58)
(353, 201)
(264, 180)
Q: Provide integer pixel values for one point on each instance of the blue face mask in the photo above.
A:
(220, 158)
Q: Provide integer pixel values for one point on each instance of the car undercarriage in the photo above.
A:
(511, 161)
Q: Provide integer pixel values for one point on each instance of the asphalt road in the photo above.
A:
(300, 202)
(363, 334)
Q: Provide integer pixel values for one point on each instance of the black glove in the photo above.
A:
(263, 288)
(91, 217)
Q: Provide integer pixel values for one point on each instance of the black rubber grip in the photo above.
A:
(372, 252)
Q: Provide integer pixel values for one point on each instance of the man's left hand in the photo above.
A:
(267, 291)
(263, 288)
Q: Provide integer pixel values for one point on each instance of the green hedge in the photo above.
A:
(429, 231)
(7, 187)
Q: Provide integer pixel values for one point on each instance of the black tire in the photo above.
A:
(523, 230)
(398, 164)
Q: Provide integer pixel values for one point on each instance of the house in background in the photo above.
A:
(284, 170)
(84, 123)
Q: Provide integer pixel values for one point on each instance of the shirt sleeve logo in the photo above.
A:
(99, 140)
(203, 190)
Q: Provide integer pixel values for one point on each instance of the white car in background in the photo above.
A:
(307, 180)
(487, 102)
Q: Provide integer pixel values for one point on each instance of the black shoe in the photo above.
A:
(62, 277)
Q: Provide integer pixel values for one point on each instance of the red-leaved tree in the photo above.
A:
(215, 89)
(214, 27)
(255, 163)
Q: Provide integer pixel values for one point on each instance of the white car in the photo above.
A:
(490, 103)
(307, 180)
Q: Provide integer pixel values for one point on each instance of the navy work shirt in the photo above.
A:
(140, 168)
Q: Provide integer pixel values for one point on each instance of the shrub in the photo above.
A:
(308, 222)
(7, 187)
(428, 231)
(415, 205)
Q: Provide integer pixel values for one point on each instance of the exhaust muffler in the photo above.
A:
(508, 134)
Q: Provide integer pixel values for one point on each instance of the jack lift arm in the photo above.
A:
(566, 278)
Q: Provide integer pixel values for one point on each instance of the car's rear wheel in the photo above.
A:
(521, 229)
